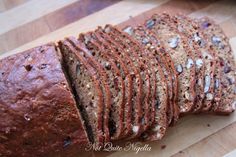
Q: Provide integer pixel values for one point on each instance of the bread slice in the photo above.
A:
(197, 39)
(144, 56)
(154, 46)
(136, 83)
(220, 43)
(160, 124)
(116, 83)
(88, 88)
(138, 54)
(38, 110)
(181, 24)
(125, 44)
(177, 46)
(121, 62)
(169, 69)
(197, 55)
(105, 83)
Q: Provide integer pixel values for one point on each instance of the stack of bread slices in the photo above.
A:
(114, 84)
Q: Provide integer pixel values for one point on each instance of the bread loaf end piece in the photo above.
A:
(38, 112)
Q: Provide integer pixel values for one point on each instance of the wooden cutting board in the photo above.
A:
(30, 23)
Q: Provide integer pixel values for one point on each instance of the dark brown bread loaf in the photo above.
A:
(116, 83)
(137, 82)
(111, 85)
(197, 36)
(154, 46)
(220, 43)
(89, 93)
(39, 116)
(139, 57)
(113, 52)
(177, 46)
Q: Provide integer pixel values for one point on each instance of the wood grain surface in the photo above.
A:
(28, 23)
